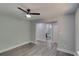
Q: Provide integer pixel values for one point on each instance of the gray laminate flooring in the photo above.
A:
(39, 49)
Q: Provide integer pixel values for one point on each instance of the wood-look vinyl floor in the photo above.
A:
(39, 49)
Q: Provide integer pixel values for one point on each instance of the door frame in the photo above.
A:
(45, 23)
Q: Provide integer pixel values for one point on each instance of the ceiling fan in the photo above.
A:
(28, 11)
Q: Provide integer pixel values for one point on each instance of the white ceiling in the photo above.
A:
(50, 10)
(47, 10)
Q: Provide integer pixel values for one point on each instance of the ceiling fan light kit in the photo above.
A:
(28, 15)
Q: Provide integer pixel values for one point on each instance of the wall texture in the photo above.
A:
(13, 32)
(14, 28)
(77, 29)
(33, 31)
(67, 33)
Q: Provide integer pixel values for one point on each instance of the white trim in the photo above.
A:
(67, 51)
(14, 47)
(77, 53)
(64, 50)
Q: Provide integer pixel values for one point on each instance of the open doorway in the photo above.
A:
(46, 32)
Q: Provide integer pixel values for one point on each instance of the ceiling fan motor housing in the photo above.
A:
(28, 10)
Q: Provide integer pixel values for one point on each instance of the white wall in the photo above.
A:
(33, 31)
(77, 29)
(13, 31)
(66, 33)
(14, 27)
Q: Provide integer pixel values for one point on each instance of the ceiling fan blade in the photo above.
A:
(34, 13)
(28, 11)
(22, 9)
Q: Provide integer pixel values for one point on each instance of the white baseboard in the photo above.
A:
(77, 53)
(14, 47)
(67, 51)
(64, 50)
